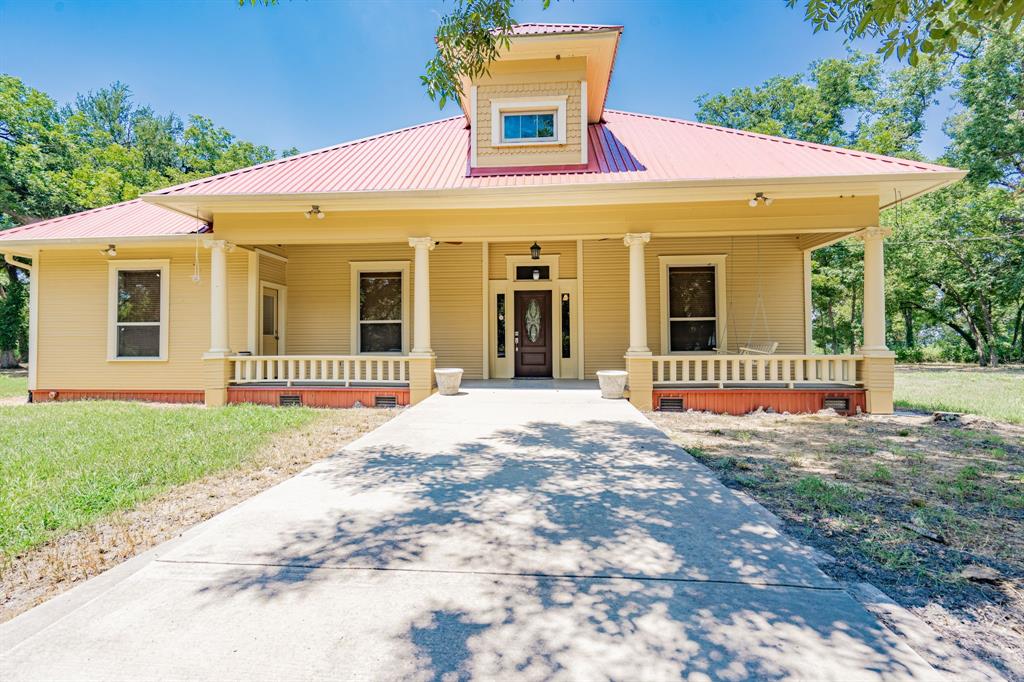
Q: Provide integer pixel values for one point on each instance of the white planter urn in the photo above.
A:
(448, 380)
(612, 382)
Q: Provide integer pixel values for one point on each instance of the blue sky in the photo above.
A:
(311, 73)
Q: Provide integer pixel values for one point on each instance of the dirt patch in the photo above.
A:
(931, 513)
(46, 571)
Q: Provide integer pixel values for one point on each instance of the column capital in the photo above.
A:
(420, 242)
(218, 244)
(876, 232)
(636, 238)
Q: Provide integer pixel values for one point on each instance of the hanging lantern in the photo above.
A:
(535, 251)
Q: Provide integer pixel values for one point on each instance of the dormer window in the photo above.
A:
(528, 127)
(527, 121)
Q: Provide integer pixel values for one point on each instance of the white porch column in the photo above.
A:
(874, 290)
(421, 296)
(637, 294)
(219, 295)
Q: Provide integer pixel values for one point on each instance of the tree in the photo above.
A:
(99, 150)
(909, 28)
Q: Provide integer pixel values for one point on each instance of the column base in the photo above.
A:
(641, 382)
(878, 371)
(216, 375)
(421, 377)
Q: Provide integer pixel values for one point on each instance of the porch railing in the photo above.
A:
(342, 370)
(756, 369)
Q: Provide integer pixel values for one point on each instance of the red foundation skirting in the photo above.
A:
(61, 395)
(742, 401)
(316, 397)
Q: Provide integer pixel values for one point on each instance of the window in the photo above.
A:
(691, 309)
(138, 310)
(519, 127)
(531, 272)
(380, 312)
(524, 121)
(692, 304)
(499, 332)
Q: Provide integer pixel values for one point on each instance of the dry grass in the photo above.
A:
(993, 392)
(900, 501)
(41, 573)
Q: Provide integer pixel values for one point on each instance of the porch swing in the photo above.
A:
(762, 347)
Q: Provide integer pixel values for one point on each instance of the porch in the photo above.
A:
(351, 340)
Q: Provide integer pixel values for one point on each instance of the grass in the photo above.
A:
(12, 385)
(900, 501)
(64, 465)
(994, 393)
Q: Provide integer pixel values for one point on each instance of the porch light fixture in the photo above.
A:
(314, 211)
(536, 273)
(758, 198)
(110, 251)
(535, 255)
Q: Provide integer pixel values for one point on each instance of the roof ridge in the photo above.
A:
(297, 157)
(786, 140)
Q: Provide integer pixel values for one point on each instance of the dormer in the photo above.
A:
(530, 112)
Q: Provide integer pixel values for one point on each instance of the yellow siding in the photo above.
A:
(319, 295)
(489, 155)
(498, 252)
(606, 293)
(73, 307)
(273, 270)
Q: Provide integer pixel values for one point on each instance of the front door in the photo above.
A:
(271, 322)
(533, 333)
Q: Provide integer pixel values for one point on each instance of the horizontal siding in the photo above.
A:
(743, 401)
(319, 295)
(73, 305)
(273, 270)
(63, 395)
(318, 397)
(779, 277)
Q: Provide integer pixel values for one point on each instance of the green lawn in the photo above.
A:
(12, 385)
(63, 465)
(995, 393)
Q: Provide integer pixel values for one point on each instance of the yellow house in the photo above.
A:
(538, 234)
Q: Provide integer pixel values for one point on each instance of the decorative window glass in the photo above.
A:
(138, 312)
(692, 309)
(566, 331)
(380, 312)
(528, 127)
(499, 332)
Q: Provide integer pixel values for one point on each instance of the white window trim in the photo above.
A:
(522, 105)
(402, 266)
(721, 309)
(113, 267)
(512, 262)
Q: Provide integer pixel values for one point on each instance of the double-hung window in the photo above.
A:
(138, 310)
(380, 306)
(693, 303)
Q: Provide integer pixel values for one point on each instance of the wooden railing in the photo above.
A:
(343, 370)
(755, 369)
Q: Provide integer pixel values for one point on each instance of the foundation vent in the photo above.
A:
(289, 400)
(837, 404)
(385, 401)
(671, 405)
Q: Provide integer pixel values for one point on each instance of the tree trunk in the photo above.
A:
(853, 320)
(8, 359)
(908, 326)
(832, 326)
(990, 334)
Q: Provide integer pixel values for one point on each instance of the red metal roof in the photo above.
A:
(133, 218)
(624, 148)
(554, 29)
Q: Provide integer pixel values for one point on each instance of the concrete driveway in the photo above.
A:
(499, 534)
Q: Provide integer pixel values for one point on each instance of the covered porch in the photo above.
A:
(312, 349)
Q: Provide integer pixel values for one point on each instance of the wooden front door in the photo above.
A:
(533, 333)
(271, 322)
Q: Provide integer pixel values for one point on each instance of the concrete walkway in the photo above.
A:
(498, 534)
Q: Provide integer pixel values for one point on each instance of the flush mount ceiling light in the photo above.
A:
(314, 211)
(110, 251)
(535, 251)
(759, 198)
